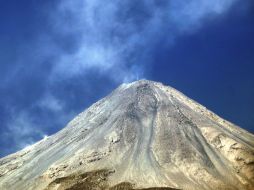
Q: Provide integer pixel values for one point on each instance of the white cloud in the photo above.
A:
(51, 103)
(109, 41)
(22, 130)
(189, 16)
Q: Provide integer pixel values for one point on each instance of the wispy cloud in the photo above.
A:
(116, 36)
(22, 130)
(188, 16)
(49, 102)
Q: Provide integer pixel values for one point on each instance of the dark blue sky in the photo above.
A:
(59, 57)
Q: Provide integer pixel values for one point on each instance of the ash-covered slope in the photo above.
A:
(142, 135)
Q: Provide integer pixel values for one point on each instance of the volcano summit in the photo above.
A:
(144, 135)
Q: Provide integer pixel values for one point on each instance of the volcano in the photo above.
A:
(143, 135)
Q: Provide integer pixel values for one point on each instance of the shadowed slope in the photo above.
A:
(93, 180)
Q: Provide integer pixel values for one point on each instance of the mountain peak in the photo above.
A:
(143, 82)
(143, 85)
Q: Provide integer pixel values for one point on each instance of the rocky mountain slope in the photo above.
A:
(144, 135)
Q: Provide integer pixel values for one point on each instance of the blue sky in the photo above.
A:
(59, 57)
